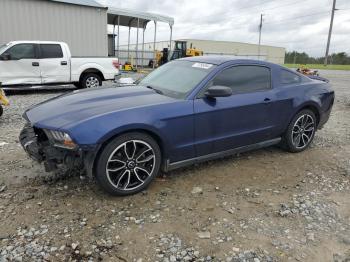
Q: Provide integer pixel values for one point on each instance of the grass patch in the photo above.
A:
(320, 66)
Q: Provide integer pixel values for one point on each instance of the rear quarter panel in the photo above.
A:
(290, 99)
(104, 65)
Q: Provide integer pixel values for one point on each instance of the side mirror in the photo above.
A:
(218, 91)
(125, 81)
(5, 57)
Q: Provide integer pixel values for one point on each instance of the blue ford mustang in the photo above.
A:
(186, 111)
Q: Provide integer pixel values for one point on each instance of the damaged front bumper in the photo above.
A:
(37, 144)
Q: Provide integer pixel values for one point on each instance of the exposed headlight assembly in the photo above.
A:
(61, 139)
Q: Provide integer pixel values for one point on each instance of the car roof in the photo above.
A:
(34, 42)
(220, 59)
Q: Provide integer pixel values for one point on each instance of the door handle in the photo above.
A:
(267, 100)
(35, 63)
(64, 63)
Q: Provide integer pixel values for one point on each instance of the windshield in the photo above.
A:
(2, 48)
(176, 79)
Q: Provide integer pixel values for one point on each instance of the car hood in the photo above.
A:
(85, 104)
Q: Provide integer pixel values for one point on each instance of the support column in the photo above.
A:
(154, 43)
(128, 45)
(171, 39)
(118, 37)
(137, 43)
(113, 43)
(143, 46)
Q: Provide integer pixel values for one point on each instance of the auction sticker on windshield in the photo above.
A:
(202, 65)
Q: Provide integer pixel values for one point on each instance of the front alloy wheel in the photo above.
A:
(128, 164)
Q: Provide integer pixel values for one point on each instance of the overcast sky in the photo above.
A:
(300, 25)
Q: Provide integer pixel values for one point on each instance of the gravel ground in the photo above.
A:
(266, 205)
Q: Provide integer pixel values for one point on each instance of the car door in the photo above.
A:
(241, 119)
(19, 65)
(55, 67)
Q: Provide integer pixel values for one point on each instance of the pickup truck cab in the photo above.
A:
(28, 63)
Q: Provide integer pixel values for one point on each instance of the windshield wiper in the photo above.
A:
(156, 90)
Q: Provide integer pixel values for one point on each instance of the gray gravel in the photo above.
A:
(266, 205)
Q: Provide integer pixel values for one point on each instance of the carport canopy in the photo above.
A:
(137, 19)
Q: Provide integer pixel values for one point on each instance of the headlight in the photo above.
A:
(61, 139)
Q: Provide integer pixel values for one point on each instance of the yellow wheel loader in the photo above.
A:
(3, 100)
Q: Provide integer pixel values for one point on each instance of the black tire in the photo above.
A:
(1, 110)
(90, 80)
(306, 132)
(126, 175)
(77, 85)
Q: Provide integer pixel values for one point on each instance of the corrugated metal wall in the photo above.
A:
(83, 28)
(212, 47)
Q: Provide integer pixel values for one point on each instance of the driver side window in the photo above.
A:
(244, 79)
(21, 51)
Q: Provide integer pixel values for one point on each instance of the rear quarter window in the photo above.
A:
(289, 78)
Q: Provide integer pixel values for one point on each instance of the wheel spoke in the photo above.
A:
(137, 176)
(142, 153)
(302, 138)
(304, 120)
(133, 150)
(309, 129)
(143, 170)
(128, 182)
(149, 158)
(122, 176)
(115, 169)
(297, 140)
(117, 160)
(307, 137)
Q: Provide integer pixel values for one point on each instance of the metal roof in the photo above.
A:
(91, 3)
(129, 17)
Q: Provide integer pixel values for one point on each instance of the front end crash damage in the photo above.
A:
(41, 146)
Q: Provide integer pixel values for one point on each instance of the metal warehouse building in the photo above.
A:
(211, 47)
(82, 26)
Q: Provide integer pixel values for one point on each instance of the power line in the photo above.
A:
(252, 6)
(292, 18)
(284, 5)
(264, 10)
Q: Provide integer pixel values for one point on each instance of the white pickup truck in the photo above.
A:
(32, 63)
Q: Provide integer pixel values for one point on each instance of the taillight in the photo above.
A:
(115, 64)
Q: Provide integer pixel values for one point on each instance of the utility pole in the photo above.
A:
(260, 28)
(330, 33)
(295, 57)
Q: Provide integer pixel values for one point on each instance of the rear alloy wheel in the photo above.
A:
(91, 80)
(301, 131)
(128, 164)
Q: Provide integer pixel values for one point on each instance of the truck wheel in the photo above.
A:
(91, 80)
(128, 164)
(77, 85)
(300, 132)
